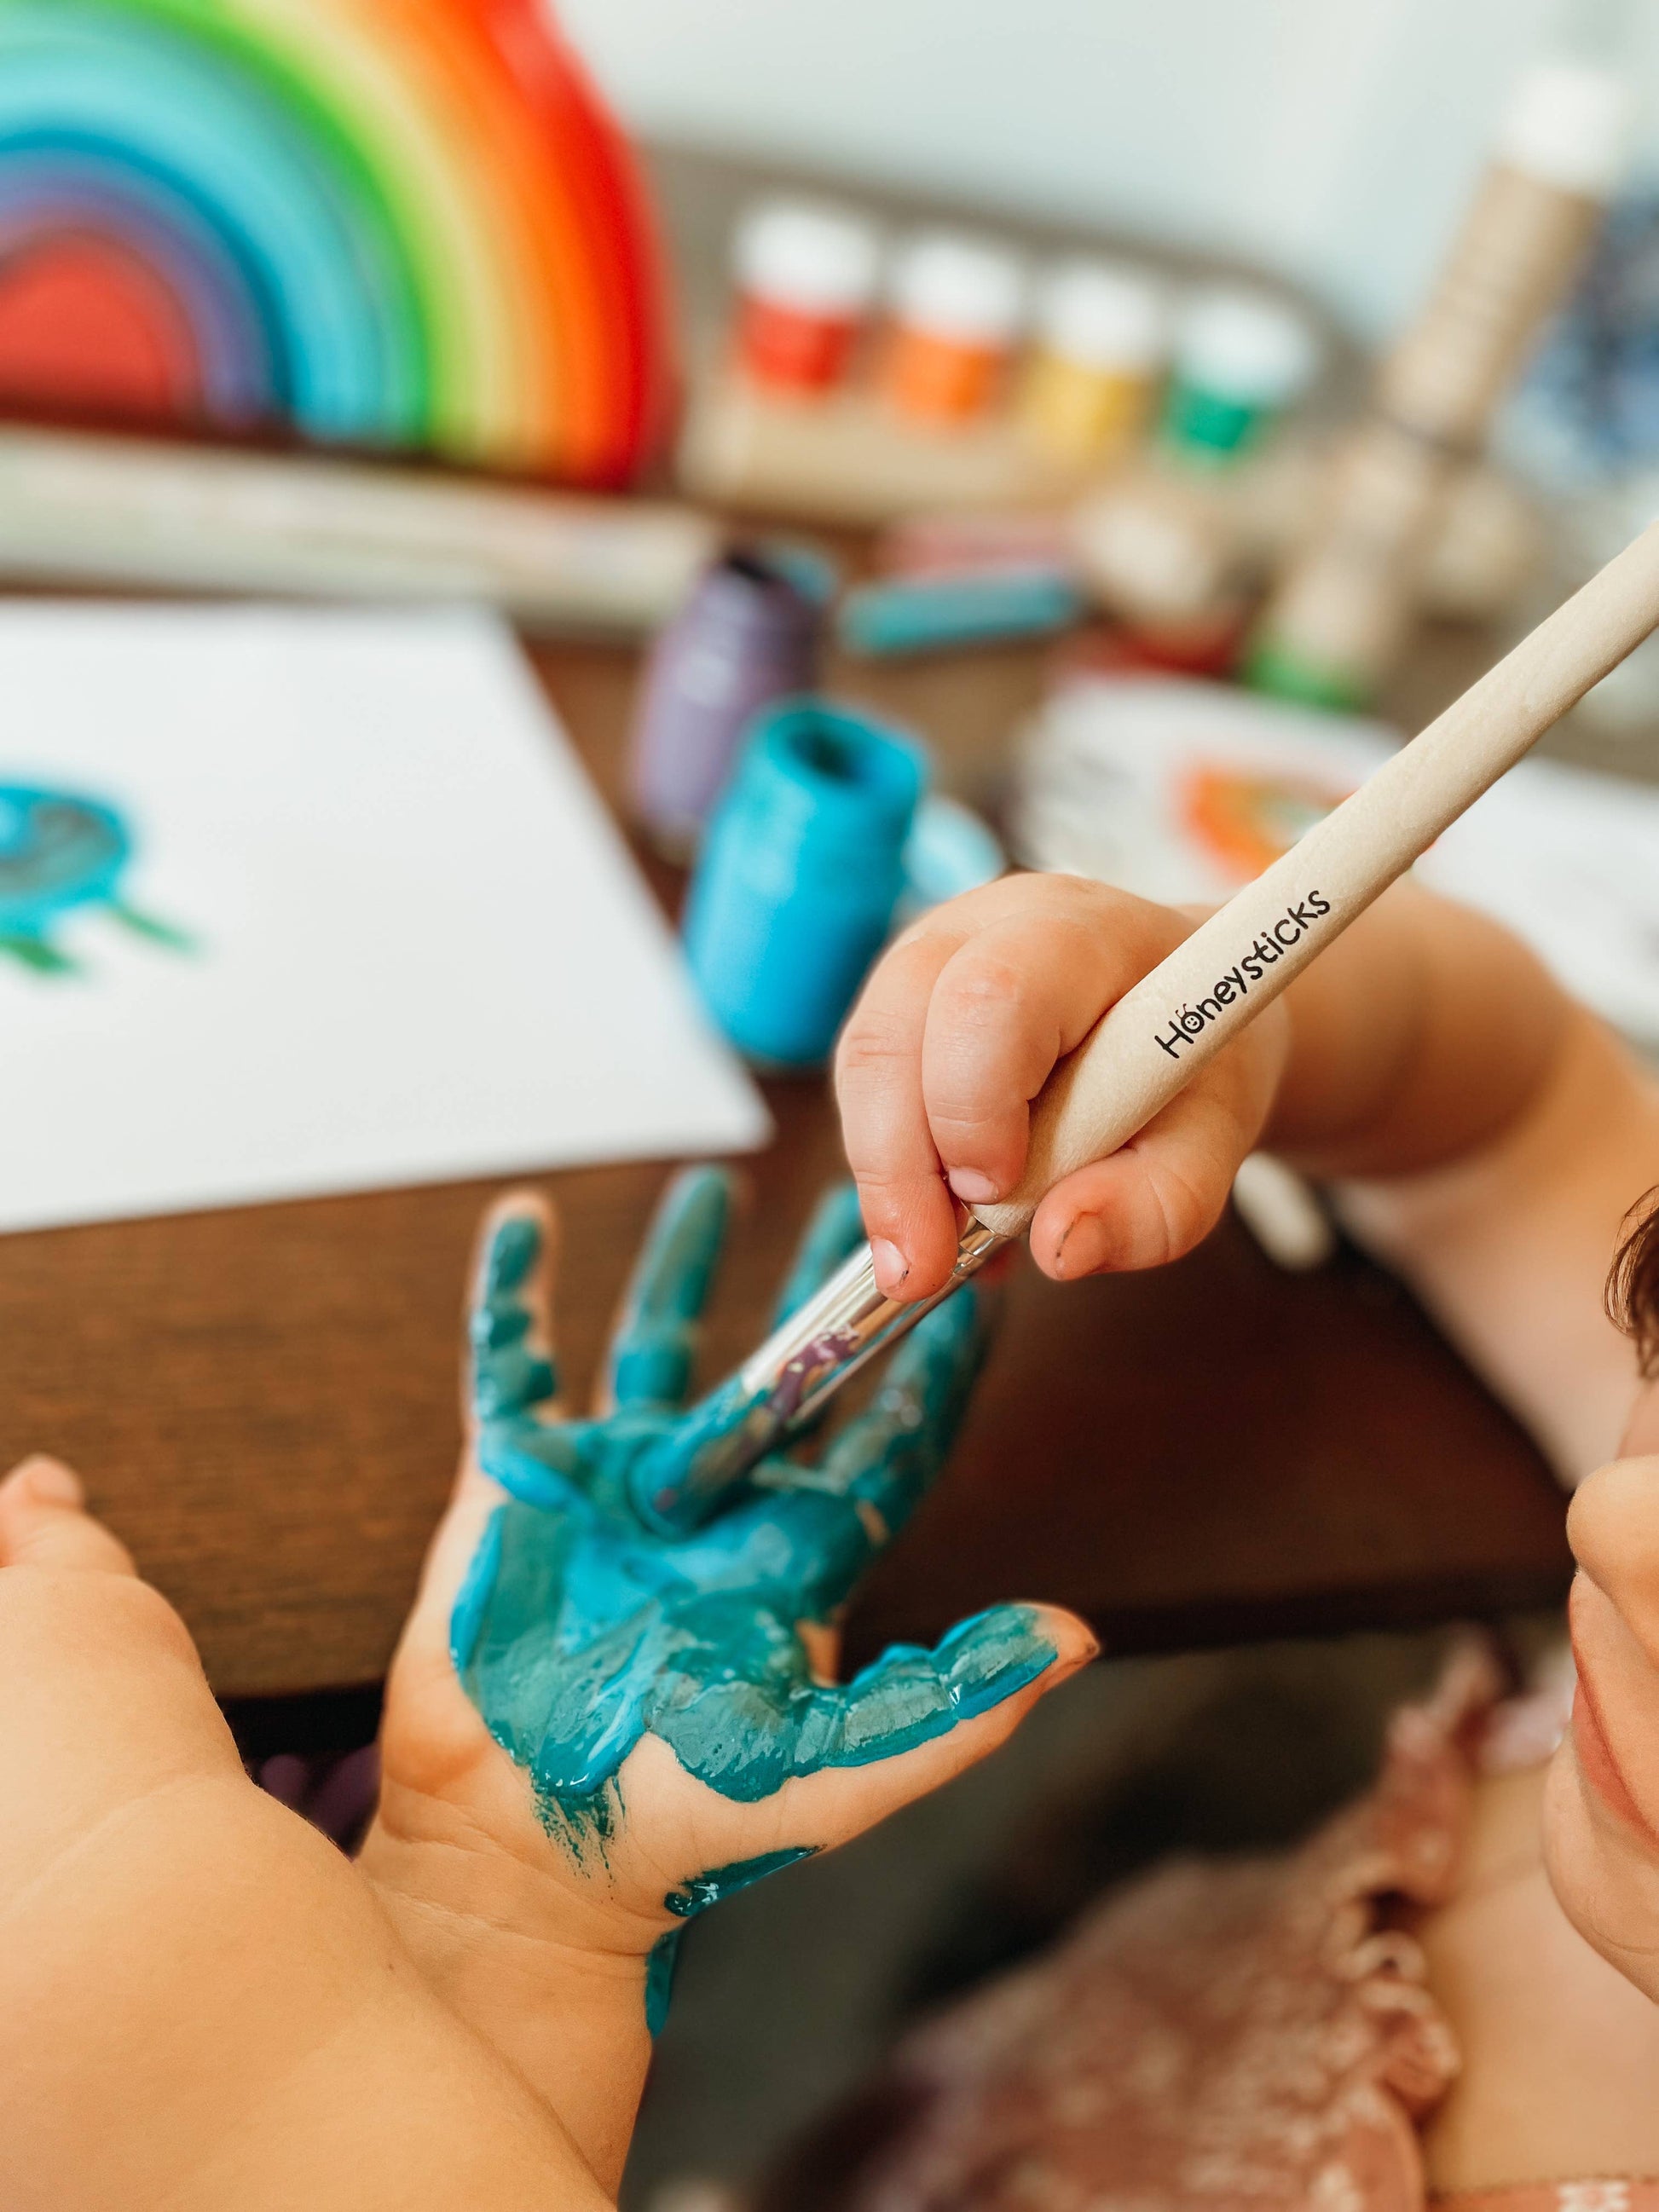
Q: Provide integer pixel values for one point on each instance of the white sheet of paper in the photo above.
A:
(420, 950)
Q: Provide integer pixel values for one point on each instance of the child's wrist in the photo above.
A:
(549, 1973)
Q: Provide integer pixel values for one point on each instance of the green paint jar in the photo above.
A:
(1241, 358)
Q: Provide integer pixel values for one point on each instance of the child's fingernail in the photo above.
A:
(971, 1186)
(49, 1482)
(1083, 1248)
(891, 1266)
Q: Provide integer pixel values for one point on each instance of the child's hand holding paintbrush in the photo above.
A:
(1424, 1048)
(1421, 1006)
(1427, 1060)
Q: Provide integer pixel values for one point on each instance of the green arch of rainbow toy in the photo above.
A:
(394, 223)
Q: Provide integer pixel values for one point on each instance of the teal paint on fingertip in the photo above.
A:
(507, 1375)
(993, 1657)
(515, 1247)
(656, 1345)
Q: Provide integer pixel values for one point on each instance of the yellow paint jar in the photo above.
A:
(1102, 338)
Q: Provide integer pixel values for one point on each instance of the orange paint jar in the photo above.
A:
(956, 306)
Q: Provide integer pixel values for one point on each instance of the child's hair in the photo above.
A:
(1634, 1284)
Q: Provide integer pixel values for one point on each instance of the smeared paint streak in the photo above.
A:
(722, 1882)
(579, 1628)
(661, 1963)
(152, 929)
(696, 1896)
(669, 1469)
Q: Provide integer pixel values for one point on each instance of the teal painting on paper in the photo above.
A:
(61, 853)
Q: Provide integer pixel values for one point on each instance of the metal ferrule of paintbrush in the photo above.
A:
(840, 1326)
(784, 1384)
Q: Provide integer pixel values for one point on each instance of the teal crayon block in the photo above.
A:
(931, 615)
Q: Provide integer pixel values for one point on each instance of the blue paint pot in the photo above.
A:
(799, 876)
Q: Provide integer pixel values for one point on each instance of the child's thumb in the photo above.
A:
(44, 1522)
(1159, 1194)
(999, 1666)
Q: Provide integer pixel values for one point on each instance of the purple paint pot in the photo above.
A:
(747, 636)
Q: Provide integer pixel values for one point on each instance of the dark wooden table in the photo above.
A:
(264, 1404)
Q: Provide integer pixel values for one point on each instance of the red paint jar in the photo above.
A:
(806, 277)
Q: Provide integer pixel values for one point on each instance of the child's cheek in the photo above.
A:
(1615, 1717)
(1600, 1769)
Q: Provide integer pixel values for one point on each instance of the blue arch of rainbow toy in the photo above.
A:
(313, 305)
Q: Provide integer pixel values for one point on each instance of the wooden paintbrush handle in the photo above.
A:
(1149, 1046)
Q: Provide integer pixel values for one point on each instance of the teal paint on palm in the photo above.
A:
(579, 1628)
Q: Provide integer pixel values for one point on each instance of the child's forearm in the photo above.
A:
(400, 2109)
(1490, 1135)
(204, 2006)
(1417, 1039)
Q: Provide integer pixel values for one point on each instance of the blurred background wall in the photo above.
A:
(1333, 140)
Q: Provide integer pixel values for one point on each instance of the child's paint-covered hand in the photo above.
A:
(955, 1035)
(632, 1724)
